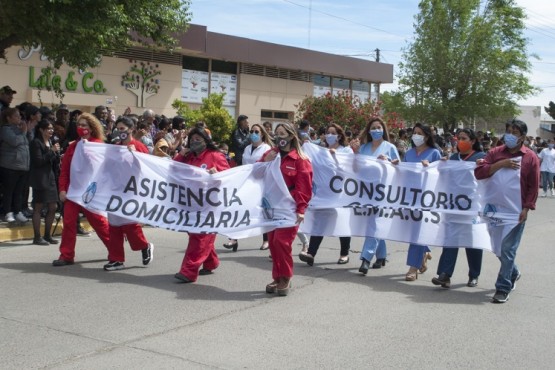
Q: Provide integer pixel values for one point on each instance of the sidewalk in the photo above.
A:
(24, 231)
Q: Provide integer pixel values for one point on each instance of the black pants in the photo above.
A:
(315, 241)
(13, 181)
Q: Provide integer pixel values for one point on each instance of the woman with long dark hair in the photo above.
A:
(44, 155)
(200, 151)
(469, 150)
(375, 143)
(296, 170)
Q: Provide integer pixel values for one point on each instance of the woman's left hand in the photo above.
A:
(300, 218)
(425, 163)
(131, 148)
(212, 170)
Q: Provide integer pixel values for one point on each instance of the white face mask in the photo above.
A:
(331, 139)
(418, 139)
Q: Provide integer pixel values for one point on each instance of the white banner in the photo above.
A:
(439, 205)
(137, 187)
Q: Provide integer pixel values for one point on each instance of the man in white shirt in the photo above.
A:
(547, 167)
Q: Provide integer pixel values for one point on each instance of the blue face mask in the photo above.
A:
(376, 134)
(511, 141)
(255, 138)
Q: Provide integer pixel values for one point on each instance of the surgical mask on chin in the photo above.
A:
(418, 139)
(197, 146)
(331, 139)
(511, 141)
(376, 134)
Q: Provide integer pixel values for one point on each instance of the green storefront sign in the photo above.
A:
(48, 80)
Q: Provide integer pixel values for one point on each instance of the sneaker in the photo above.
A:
(514, 280)
(10, 217)
(113, 266)
(82, 232)
(148, 254)
(20, 217)
(552, 192)
(500, 297)
(472, 282)
(443, 280)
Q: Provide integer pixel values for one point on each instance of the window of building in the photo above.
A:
(195, 64)
(277, 115)
(321, 80)
(224, 67)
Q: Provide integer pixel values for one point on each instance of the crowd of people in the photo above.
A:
(37, 147)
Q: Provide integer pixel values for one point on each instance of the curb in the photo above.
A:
(25, 232)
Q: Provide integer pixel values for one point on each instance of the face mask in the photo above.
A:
(331, 139)
(526, 142)
(83, 131)
(197, 146)
(282, 142)
(511, 141)
(376, 134)
(417, 139)
(550, 146)
(255, 138)
(464, 146)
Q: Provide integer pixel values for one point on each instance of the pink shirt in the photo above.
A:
(529, 171)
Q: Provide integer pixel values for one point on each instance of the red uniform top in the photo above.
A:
(529, 171)
(207, 159)
(63, 182)
(140, 147)
(297, 174)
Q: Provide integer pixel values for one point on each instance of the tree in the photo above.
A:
(469, 59)
(550, 109)
(217, 118)
(78, 31)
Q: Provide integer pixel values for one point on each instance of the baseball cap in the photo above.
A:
(7, 90)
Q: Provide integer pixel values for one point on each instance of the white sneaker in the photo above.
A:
(544, 194)
(20, 217)
(552, 193)
(9, 217)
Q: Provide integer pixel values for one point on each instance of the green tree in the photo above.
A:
(550, 109)
(78, 31)
(217, 118)
(469, 59)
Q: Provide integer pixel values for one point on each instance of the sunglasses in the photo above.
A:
(255, 132)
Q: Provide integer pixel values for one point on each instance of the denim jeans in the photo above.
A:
(415, 256)
(448, 260)
(547, 180)
(509, 269)
(371, 247)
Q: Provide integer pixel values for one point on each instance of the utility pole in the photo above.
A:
(377, 84)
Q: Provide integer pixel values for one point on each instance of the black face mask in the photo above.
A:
(197, 146)
(282, 142)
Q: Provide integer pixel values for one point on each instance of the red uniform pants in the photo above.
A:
(69, 232)
(135, 236)
(281, 248)
(200, 251)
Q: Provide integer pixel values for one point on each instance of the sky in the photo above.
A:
(358, 27)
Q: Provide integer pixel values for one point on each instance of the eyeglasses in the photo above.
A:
(255, 132)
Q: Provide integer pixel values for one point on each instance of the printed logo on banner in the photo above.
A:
(489, 212)
(89, 194)
(268, 209)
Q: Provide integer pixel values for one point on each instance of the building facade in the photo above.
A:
(265, 81)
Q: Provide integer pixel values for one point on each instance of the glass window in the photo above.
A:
(224, 67)
(195, 64)
(321, 80)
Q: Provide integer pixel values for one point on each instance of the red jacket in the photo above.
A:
(140, 147)
(207, 160)
(63, 182)
(297, 174)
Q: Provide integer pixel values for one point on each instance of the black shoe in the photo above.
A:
(58, 263)
(305, 257)
(148, 254)
(443, 280)
(380, 262)
(364, 267)
(50, 240)
(232, 246)
(40, 241)
(500, 297)
(182, 278)
(82, 232)
(472, 282)
(514, 280)
(113, 266)
(204, 271)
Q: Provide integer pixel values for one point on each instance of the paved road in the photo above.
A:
(81, 317)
